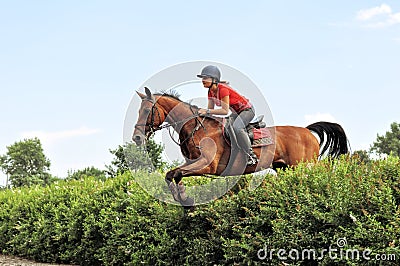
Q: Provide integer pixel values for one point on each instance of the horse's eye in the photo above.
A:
(146, 110)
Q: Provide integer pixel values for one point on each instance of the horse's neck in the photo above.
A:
(183, 119)
(175, 110)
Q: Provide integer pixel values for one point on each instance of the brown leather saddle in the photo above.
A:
(258, 132)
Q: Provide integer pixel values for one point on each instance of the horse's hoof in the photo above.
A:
(188, 204)
(174, 191)
(190, 209)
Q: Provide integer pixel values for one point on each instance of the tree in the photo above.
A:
(154, 152)
(88, 171)
(133, 157)
(26, 164)
(362, 155)
(388, 143)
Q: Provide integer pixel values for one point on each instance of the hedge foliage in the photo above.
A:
(115, 222)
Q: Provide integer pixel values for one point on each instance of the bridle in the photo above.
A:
(153, 128)
(151, 125)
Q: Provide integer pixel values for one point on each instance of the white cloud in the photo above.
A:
(378, 17)
(49, 138)
(366, 14)
(394, 18)
(312, 118)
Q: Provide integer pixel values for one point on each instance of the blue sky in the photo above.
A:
(69, 69)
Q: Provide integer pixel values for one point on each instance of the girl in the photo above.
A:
(220, 94)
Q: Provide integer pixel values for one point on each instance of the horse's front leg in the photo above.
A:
(178, 189)
(170, 176)
(205, 164)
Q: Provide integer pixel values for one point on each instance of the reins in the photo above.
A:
(197, 127)
(153, 128)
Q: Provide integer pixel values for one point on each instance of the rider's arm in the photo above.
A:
(210, 104)
(223, 111)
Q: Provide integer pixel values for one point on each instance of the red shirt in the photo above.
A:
(236, 101)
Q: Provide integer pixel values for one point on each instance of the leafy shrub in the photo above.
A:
(115, 222)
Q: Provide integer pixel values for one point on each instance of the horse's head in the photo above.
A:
(151, 116)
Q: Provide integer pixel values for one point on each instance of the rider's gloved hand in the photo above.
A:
(204, 112)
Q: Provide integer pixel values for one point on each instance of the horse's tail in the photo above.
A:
(336, 141)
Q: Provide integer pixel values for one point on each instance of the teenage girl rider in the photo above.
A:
(220, 94)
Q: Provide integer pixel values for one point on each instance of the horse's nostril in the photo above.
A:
(137, 138)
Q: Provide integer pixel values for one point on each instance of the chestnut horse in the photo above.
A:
(207, 152)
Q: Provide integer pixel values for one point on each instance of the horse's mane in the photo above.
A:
(171, 93)
(175, 95)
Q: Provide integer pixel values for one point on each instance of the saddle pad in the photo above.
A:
(262, 137)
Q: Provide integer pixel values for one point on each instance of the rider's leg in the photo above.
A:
(239, 126)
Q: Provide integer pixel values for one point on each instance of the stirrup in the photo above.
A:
(252, 161)
(252, 158)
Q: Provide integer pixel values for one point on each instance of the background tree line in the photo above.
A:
(384, 145)
(25, 163)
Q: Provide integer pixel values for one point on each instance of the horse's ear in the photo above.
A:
(141, 95)
(148, 93)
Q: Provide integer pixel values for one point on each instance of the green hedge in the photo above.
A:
(114, 222)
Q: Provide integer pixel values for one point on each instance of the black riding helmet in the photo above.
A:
(210, 72)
